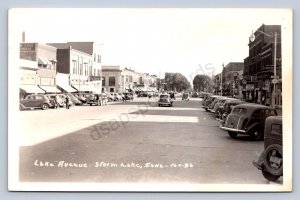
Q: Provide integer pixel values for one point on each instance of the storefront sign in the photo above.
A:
(28, 47)
(250, 87)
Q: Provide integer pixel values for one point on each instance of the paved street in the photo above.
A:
(136, 142)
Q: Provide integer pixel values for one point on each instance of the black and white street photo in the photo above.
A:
(150, 99)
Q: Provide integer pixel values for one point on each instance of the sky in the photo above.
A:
(188, 41)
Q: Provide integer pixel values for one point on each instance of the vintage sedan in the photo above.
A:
(206, 103)
(224, 110)
(35, 101)
(248, 119)
(165, 100)
(270, 161)
(75, 100)
(219, 101)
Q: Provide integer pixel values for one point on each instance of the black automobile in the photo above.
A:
(270, 161)
(165, 100)
(224, 110)
(206, 103)
(93, 99)
(195, 94)
(36, 101)
(248, 119)
(128, 96)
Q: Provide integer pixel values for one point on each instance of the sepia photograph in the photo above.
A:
(150, 99)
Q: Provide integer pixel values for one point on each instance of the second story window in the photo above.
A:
(111, 81)
(74, 63)
(103, 81)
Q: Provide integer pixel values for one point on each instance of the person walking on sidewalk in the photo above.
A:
(67, 102)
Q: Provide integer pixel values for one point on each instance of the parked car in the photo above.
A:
(80, 97)
(206, 103)
(116, 97)
(121, 95)
(35, 101)
(225, 109)
(74, 99)
(165, 100)
(93, 99)
(270, 161)
(128, 96)
(103, 98)
(217, 103)
(195, 94)
(63, 97)
(211, 106)
(142, 94)
(110, 97)
(59, 99)
(248, 119)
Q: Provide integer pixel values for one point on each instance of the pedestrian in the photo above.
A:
(97, 100)
(55, 100)
(67, 102)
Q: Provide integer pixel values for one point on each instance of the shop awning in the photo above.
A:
(85, 88)
(50, 88)
(44, 61)
(31, 89)
(67, 88)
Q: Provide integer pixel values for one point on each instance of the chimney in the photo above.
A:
(23, 36)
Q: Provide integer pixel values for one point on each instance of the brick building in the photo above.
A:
(259, 67)
(38, 67)
(82, 62)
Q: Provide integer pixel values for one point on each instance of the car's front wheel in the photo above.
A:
(45, 106)
(269, 176)
(273, 160)
(232, 134)
(257, 134)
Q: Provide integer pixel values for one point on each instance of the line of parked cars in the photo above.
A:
(258, 121)
(46, 101)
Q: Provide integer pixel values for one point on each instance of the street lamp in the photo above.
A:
(274, 81)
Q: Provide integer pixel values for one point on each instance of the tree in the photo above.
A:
(176, 82)
(202, 82)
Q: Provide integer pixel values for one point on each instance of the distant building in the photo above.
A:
(111, 79)
(231, 76)
(135, 81)
(82, 62)
(259, 67)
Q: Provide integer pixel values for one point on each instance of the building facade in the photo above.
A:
(230, 79)
(111, 79)
(261, 85)
(82, 61)
(38, 67)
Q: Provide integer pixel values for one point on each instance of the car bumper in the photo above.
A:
(163, 103)
(233, 129)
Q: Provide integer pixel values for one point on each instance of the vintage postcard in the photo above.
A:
(150, 99)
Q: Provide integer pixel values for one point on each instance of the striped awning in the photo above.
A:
(31, 89)
(50, 88)
(85, 88)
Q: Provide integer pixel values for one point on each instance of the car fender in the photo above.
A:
(254, 126)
